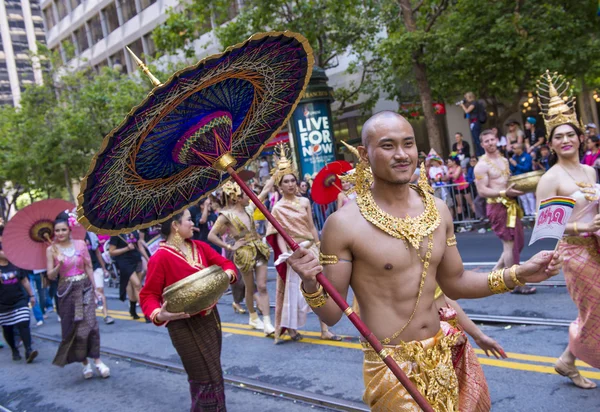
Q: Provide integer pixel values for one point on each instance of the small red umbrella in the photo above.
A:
(28, 234)
(327, 185)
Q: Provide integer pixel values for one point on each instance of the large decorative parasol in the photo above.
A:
(193, 132)
(28, 234)
(327, 184)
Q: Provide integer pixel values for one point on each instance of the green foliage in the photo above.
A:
(48, 142)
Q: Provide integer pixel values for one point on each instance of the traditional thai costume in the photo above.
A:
(581, 267)
(77, 308)
(505, 216)
(197, 339)
(290, 307)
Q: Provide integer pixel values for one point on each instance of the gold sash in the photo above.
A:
(513, 210)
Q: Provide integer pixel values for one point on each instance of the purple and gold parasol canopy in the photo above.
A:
(160, 159)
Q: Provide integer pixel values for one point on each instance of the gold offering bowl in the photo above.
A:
(196, 292)
(527, 182)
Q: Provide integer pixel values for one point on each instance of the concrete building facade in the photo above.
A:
(21, 27)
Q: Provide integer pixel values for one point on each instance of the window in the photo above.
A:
(82, 40)
(112, 19)
(137, 48)
(150, 46)
(146, 3)
(49, 17)
(74, 4)
(62, 9)
(118, 58)
(127, 9)
(96, 29)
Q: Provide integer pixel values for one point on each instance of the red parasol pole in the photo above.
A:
(339, 300)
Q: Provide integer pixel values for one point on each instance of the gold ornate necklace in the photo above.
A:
(411, 230)
(295, 203)
(188, 253)
(588, 190)
(493, 165)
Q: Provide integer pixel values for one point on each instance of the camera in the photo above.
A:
(458, 103)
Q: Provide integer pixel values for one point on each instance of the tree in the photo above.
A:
(333, 28)
(49, 141)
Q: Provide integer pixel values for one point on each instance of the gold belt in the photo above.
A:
(513, 211)
(71, 279)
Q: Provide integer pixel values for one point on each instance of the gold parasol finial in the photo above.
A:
(144, 68)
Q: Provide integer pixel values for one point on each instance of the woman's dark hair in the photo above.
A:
(552, 159)
(62, 217)
(594, 139)
(165, 227)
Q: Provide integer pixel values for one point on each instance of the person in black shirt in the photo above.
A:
(534, 137)
(93, 245)
(125, 250)
(462, 150)
(15, 296)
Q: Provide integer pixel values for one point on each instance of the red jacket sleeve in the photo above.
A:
(151, 293)
(211, 257)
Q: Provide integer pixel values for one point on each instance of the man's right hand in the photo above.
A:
(307, 266)
(510, 192)
(130, 246)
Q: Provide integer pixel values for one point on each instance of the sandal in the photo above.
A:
(572, 373)
(523, 290)
(103, 370)
(108, 320)
(333, 337)
(297, 337)
(87, 371)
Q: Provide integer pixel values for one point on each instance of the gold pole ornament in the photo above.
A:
(144, 68)
(224, 161)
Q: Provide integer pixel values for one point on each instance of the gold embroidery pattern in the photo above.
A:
(451, 241)
(430, 369)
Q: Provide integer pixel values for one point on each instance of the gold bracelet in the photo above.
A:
(575, 228)
(513, 276)
(502, 193)
(315, 300)
(496, 282)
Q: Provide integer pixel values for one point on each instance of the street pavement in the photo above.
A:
(524, 382)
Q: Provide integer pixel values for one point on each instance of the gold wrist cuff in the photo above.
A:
(575, 228)
(327, 259)
(496, 282)
(502, 193)
(513, 276)
(451, 241)
(316, 299)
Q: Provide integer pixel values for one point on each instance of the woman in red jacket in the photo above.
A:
(197, 338)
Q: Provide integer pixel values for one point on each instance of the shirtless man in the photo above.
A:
(361, 249)
(491, 178)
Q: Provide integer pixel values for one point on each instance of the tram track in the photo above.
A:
(310, 399)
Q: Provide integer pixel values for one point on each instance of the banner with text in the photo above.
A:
(313, 134)
(552, 218)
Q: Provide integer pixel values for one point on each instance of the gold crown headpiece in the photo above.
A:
(232, 190)
(284, 165)
(556, 100)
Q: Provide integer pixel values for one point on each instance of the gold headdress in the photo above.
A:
(232, 191)
(362, 172)
(284, 165)
(556, 100)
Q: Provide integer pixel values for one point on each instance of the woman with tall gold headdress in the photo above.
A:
(580, 245)
(250, 253)
(295, 215)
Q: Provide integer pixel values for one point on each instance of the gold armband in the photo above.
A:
(513, 276)
(328, 259)
(316, 299)
(451, 241)
(575, 228)
(479, 177)
(496, 282)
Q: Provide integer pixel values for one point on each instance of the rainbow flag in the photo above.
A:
(552, 218)
(557, 200)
